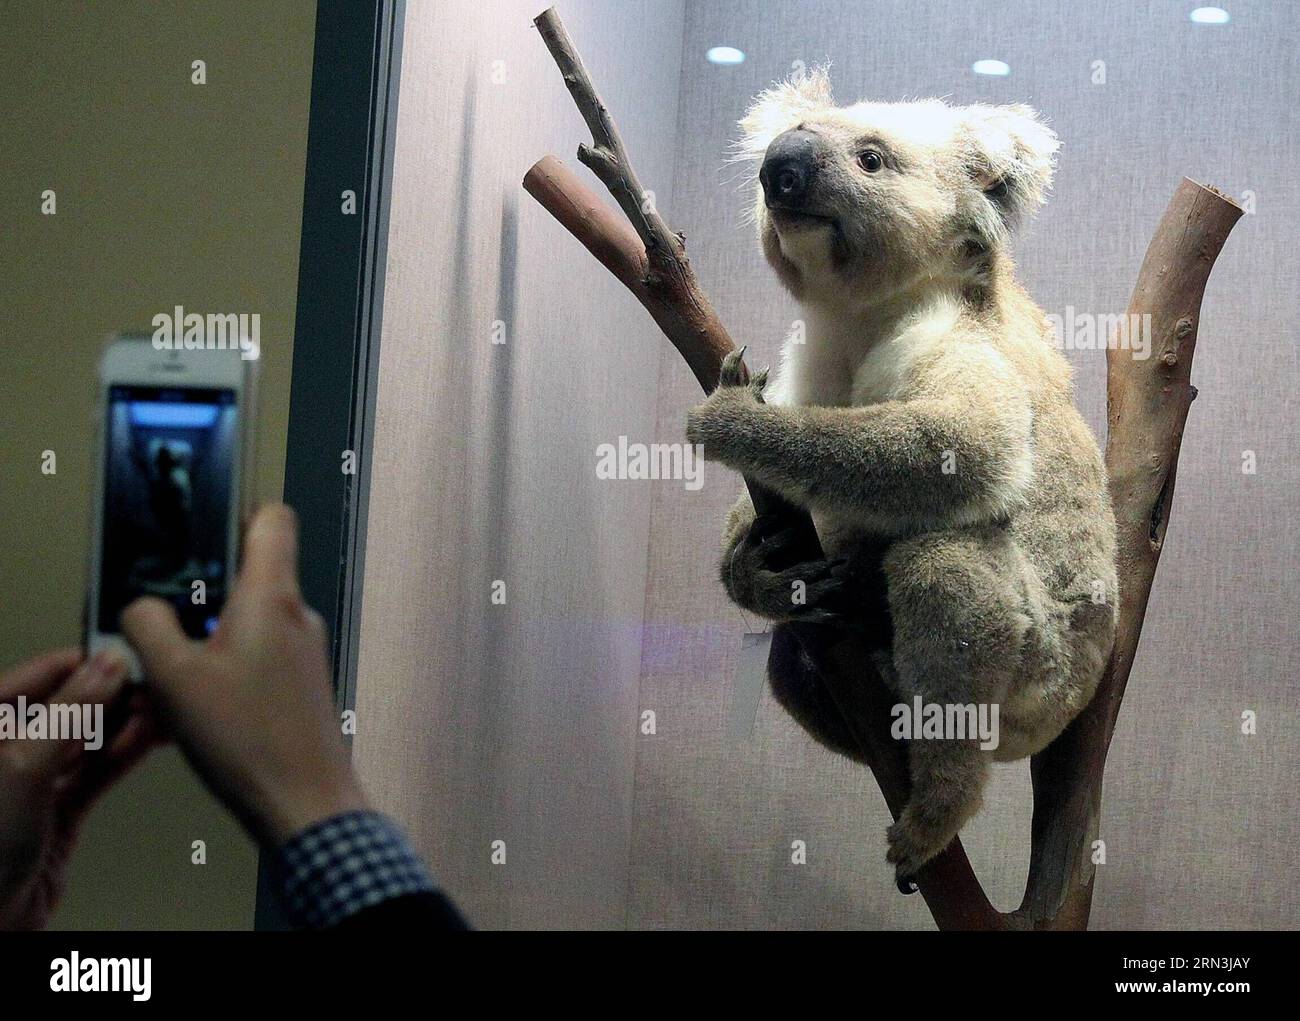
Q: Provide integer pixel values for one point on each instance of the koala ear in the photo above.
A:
(780, 108)
(1011, 156)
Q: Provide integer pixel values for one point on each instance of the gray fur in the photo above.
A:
(928, 425)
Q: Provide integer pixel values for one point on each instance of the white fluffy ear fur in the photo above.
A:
(1011, 156)
(781, 107)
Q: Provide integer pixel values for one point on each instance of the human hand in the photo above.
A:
(47, 786)
(251, 707)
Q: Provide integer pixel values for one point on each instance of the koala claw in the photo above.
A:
(733, 374)
(731, 368)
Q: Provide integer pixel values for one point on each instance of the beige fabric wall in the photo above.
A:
(1200, 821)
(519, 722)
(480, 722)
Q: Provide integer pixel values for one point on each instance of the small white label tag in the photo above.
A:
(747, 687)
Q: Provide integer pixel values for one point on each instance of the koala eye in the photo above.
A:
(870, 160)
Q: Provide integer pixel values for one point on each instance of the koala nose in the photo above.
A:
(788, 168)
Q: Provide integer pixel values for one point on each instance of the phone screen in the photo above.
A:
(168, 481)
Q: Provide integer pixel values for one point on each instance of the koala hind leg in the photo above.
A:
(958, 603)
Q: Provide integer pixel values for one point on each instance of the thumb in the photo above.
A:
(154, 631)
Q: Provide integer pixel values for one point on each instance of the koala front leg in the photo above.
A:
(936, 458)
(767, 566)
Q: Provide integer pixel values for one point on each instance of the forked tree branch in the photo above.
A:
(1148, 403)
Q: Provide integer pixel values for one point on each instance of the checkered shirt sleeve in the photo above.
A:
(344, 864)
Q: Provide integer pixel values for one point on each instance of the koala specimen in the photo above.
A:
(926, 422)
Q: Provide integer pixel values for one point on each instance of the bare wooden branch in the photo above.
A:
(1148, 401)
(674, 299)
(666, 284)
(606, 157)
(1148, 409)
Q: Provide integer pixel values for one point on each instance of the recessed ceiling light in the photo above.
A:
(994, 67)
(1210, 16)
(725, 55)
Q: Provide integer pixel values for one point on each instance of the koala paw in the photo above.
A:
(912, 843)
(759, 577)
(721, 422)
(732, 374)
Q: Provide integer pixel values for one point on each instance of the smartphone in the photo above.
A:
(174, 453)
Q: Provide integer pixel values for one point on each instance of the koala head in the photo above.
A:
(858, 201)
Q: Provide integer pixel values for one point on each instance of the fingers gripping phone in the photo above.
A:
(174, 453)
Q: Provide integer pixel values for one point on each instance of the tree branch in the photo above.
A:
(1148, 401)
(1148, 407)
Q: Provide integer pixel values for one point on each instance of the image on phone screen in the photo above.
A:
(167, 488)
